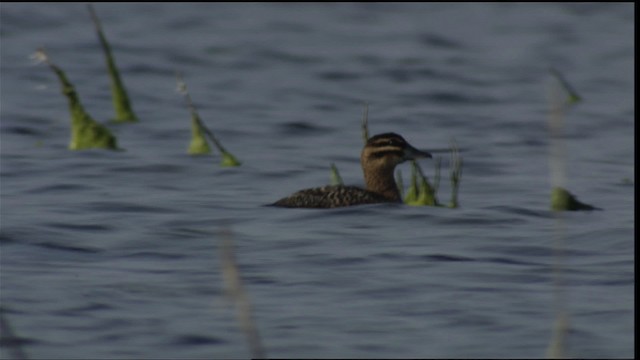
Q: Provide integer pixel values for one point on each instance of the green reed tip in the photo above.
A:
(86, 133)
(563, 200)
(336, 179)
(198, 144)
(572, 96)
(121, 103)
(228, 160)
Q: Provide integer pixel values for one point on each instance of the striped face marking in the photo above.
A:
(384, 145)
(388, 139)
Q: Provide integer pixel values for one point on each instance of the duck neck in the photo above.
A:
(381, 181)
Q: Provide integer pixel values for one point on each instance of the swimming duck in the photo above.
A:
(379, 158)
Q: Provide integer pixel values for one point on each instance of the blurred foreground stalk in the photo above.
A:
(235, 292)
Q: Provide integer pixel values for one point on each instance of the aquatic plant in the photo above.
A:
(198, 144)
(420, 191)
(562, 97)
(561, 200)
(455, 174)
(365, 123)
(400, 183)
(412, 191)
(336, 179)
(120, 99)
(427, 193)
(86, 133)
(572, 96)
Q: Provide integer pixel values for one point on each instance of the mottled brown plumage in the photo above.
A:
(379, 158)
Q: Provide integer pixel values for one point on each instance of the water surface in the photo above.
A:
(115, 254)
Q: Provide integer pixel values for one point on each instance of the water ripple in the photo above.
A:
(85, 309)
(197, 339)
(301, 128)
(285, 56)
(545, 214)
(338, 76)
(438, 41)
(80, 227)
(148, 255)
(69, 248)
(126, 207)
(445, 258)
(61, 188)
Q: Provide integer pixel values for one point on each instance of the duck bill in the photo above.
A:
(411, 153)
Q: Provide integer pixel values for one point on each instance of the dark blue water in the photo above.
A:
(116, 254)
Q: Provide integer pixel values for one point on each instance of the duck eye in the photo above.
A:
(394, 142)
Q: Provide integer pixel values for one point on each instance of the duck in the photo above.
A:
(379, 158)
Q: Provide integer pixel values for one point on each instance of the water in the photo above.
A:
(115, 254)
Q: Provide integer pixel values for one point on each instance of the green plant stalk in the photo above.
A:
(336, 179)
(198, 144)
(436, 176)
(228, 160)
(426, 197)
(365, 123)
(121, 102)
(86, 133)
(572, 95)
(561, 199)
(425, 194)
(455, 174)
(400, 183)
(412, 192)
